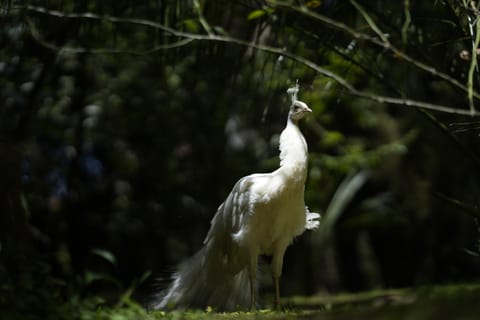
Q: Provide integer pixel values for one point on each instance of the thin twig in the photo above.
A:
(371, 23)
(406, 23)
(475, 37)
(473, 63)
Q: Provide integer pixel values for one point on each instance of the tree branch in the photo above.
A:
(76, 50)
(188, 38)
(385, 45)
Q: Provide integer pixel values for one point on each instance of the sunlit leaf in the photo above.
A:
(314, 4)
(191, 25)
(106, 255)
(259, 13)
(91, 277)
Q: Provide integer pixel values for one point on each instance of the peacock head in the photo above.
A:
(298, 110)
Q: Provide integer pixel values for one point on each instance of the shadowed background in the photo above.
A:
(119, 140)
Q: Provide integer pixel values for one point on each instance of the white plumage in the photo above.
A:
(261, 216)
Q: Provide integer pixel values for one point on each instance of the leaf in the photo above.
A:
(144, 276)
(472, 253)
(106, 255)
(91, 277)
(314, 4)
(191, 25)
(259, 13)
(220, 30)
(340, 200)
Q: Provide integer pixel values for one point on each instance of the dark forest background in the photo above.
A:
(124, 124)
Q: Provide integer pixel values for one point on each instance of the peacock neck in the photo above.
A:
(293, 152)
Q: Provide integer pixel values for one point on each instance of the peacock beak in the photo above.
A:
(307, 109)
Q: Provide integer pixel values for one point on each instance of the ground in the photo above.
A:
(459, 302)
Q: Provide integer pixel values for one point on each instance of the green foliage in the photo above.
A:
(95, 309)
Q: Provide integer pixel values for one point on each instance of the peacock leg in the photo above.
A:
(276, 299)
(277, 265)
